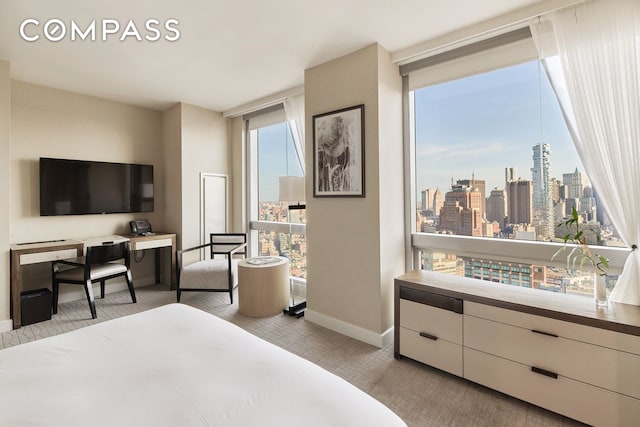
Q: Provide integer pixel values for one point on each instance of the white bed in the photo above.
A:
(174, 366)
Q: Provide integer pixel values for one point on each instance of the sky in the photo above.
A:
(277, 157)
(480, 124)
(485, 123)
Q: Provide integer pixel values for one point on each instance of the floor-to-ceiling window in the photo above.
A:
(494, 161)
(275, 230)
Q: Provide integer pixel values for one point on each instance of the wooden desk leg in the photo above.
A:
(16, 287)
(157, 264)
(172, 256)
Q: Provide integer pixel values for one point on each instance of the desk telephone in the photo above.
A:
(140, 227)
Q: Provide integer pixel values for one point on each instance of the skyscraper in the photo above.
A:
(574, 183)
(427, 199)
(461, 211)
(480, 184)
(438, 202)
(510, 174)
(520, 202)
(497, 206)
(542, 191)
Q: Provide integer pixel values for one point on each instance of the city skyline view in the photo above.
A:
(472, 128)
(482, 124)
(502, 129)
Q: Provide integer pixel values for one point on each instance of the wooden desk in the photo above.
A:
(37, 252)
(157, 241)
(32, 253)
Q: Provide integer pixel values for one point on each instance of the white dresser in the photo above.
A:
(556, 351)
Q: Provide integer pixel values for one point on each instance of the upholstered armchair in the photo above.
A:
(217, 272)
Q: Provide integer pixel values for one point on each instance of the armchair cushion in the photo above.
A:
(209, 274)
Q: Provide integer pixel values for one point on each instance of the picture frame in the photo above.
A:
(338, 153)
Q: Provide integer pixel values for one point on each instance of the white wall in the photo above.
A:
(390, 182)
(5, 191)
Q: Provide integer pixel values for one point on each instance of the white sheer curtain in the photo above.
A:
(294, 111)
(591, 53)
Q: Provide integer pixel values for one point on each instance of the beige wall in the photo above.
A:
(5, 139)
(204, 149)
(238, 175)
(38, 121)
(47, 122)
(171, 141)
(350, 266)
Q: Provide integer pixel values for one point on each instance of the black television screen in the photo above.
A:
(79, 187)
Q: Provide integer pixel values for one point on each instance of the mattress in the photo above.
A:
(174, 366)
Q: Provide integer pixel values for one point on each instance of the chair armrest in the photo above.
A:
(206, 245)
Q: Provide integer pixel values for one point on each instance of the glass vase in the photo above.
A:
(600, 290)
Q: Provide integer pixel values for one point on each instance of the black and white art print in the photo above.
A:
(338, 153)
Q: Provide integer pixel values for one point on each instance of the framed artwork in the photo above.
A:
(338, 153)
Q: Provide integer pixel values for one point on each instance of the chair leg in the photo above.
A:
(92, 304)
(178, 294)
(54, 299)
(102, 289)
(231, 295)
(130, 285)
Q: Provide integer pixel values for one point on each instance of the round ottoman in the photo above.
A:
(263, 286)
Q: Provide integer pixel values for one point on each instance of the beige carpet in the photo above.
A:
(422, 396)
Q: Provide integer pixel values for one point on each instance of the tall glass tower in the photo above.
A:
(542, 191)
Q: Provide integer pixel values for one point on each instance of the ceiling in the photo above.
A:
(230, 52)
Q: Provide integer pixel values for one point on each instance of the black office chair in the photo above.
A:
(99, 266)
(218, 271)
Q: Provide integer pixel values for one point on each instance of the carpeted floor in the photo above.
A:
(421, 395)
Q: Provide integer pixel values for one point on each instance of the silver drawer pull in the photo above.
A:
(544, 372)
(426, 335)
(544, 333)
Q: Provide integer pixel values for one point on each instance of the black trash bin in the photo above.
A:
(36, 306)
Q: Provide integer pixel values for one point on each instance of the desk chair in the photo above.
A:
(99, 266)
(218, 271)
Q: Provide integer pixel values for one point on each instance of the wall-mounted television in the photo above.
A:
(80, 187)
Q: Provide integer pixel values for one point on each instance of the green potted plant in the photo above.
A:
(581, 254)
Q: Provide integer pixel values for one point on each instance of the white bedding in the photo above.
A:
(174, 366)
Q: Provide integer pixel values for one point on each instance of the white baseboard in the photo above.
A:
(350, 330)
(6, 325)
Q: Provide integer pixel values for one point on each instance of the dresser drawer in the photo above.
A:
(574, 399)
(610, 369)
(439, 353)
(597, 336)
(440, 323)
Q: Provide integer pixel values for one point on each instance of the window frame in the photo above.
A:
(486, 55)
